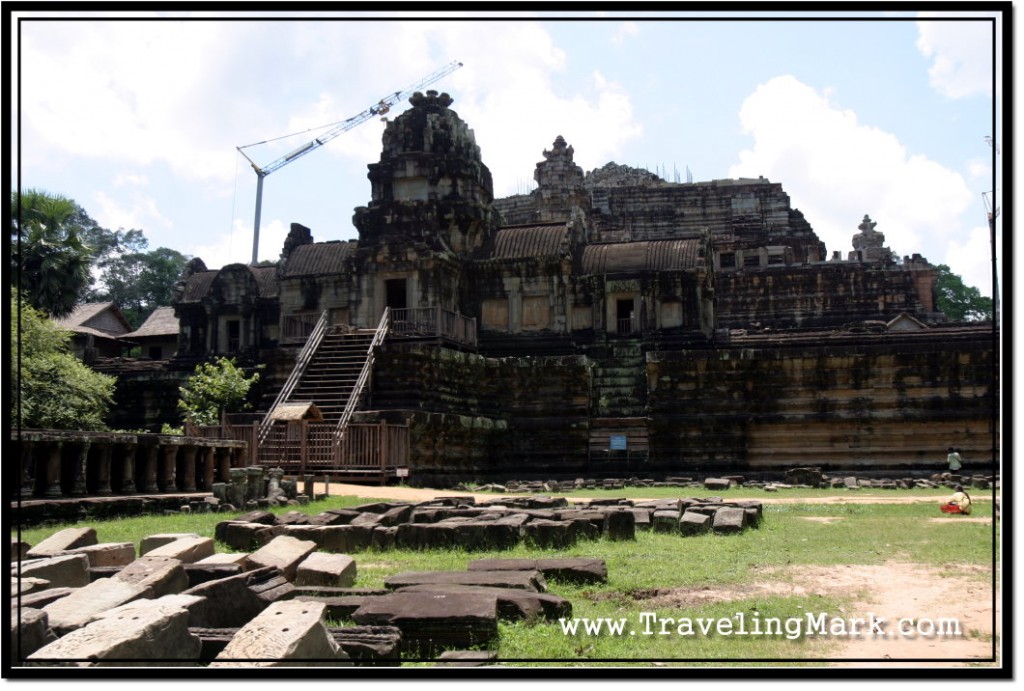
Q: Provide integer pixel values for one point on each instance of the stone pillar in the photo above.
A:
(27, 469)
(148, 470)
(188, 478)
(236, 490)
(223, 464)
(275, 480)
(168, 467)
(51, 479)
(80, 470)
(309, 488)
(255, 492)
(209, 458)
(128, 468)
(104, 452)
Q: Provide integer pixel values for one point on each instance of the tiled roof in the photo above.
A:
(521, 242)
(161, 323)
(318, 259)
(101, 314)
(651, 255)
(199, 284)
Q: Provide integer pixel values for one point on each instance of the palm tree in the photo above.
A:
(49, 260)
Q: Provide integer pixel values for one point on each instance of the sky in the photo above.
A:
(139, 117)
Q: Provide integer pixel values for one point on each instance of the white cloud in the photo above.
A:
(961, 54)
(236, 247)
(140, 212)
(972, 258)
(836, 169)
(627, 29)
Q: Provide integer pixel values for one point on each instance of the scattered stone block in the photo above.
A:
(204, 573)
(729, 519)
(65, 571)
(514, 604)
(525, 580)
(264, 517)
(19, 549)
(270, 584)
(665, 521)
(346, 539)
(284, 553)
(620, 525)
(550, 534)
(367, 518)
(320, 568)
(240, 558)
(429, 624)
(151, 542)
(226, 602)
(24, 586)
(164, 575)
(187, 550)
(41, 598)
(566, 569)
(107, 554)
(137, 633)
(243, 536)
(287, 633)
(82, 605)
(694, 523)
(30, 631)
(466, 658)
(370, 645)
(717, 484)
(383, 538)
(62, 541)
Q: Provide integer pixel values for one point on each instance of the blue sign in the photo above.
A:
(617, 442)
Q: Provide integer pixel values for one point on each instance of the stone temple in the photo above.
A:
(607, 323)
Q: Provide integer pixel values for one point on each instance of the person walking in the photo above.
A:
(954, 460)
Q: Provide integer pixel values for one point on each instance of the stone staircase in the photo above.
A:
(620, 380)
(333, 372)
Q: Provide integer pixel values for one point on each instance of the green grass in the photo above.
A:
(864, 534)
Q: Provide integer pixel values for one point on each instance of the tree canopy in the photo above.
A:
(215, 387)
(958, 301)
(50, 387)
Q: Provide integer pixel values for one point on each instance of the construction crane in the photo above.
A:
(378, 109)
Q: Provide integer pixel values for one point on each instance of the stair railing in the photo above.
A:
(301, 363)
(364, 377)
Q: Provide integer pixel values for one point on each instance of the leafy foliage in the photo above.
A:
(50, 261)
(138, 281)
(215, 387)
(55, 390)
(958, 301)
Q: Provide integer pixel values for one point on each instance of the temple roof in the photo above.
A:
(318, 259)
(199, 284)
(541, 240)
(651, 255)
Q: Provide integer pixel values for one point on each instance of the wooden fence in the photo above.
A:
(301, 447)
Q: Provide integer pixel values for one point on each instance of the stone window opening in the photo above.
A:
(752, 259)
(234, 335)
(625, 315)
(395, 293)
(727, 260)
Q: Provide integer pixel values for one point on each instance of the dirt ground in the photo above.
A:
(893, 591)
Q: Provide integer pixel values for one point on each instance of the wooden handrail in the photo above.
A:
(301, 363)
(364, 377)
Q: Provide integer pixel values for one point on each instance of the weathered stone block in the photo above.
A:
(514, 604)
(151, 542)
(717, 484)
(164, 575)
(30, 631)
(694, 523)
(67, 571)
(320, 568)
(641, 518)
(107, 554)
(550, 534)
(429, 624)
(284, 553)
(82, 605)
(665, 521)
(526, 580)
(203, 573)
(187, 550)
(620, 525)
(567, 569)
(285, 634)
(729, 520)
(396, 515)
(239, 558)
(137, 633)
(226, 602)
(383, 538)
(63, 540)
(243, 536)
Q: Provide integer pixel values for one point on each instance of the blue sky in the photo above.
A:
(139, 120)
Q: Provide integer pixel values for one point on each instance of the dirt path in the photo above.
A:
(415, 494)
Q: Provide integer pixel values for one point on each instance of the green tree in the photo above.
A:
(50, 261)
(51, 388)
(138, 281)
(215, 387)
(960, 302)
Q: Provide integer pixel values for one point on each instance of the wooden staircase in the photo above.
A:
(333, 372)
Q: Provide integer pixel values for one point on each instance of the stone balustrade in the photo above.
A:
(55, 464)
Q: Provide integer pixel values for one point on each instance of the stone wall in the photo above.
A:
(894, 402)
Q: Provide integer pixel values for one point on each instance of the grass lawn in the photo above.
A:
(858, 534)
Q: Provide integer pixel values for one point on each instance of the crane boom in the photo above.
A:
(379, 108)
